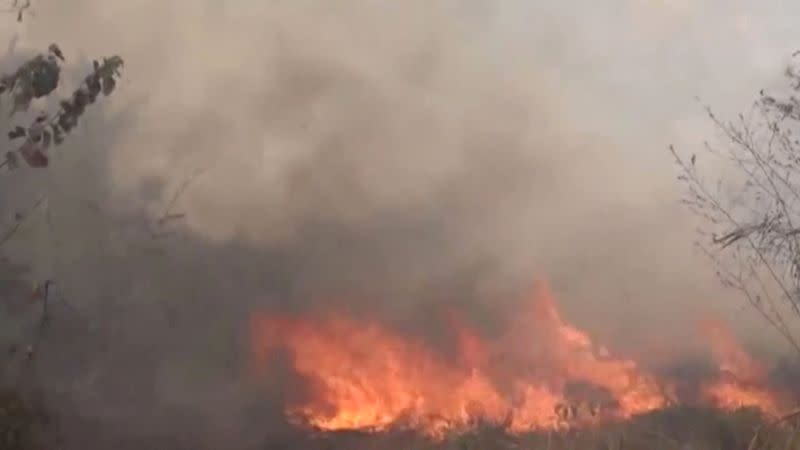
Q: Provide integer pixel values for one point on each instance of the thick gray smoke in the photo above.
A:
(380, 156)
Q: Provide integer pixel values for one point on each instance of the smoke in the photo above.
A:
(390, 158)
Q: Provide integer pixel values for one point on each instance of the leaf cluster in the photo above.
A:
(38, 78)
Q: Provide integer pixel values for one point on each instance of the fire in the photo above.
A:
(362, 375)
(742, 379)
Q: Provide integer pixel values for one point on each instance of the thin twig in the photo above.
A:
(18, 224)
(778, 421)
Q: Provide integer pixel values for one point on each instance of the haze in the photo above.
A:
(381, 156)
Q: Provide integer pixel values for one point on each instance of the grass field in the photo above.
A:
(677, 428)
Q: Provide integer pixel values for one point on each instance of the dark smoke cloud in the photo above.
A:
(388, 158)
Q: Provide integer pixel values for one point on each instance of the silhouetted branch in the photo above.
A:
(38, 78)
(753, 214)
(168, 216)
(19, 220)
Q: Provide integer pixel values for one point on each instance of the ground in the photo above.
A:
(677, 428)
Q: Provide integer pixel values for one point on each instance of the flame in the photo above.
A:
(362, 375)
(742, 379)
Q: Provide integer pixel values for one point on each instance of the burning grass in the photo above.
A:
(542, 375)
(668, 429)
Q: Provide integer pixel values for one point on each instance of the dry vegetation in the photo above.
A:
(678, 428)
(750, 212)
(21, 418)
(681, 428)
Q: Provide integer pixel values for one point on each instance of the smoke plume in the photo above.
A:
(388, 158)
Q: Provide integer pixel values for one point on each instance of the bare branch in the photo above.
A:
(19, 220)
(753, 212)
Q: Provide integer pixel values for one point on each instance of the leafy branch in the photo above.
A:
(38, 78)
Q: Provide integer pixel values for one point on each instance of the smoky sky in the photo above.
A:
(384, 157)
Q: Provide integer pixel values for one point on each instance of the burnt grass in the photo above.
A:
(684, 428)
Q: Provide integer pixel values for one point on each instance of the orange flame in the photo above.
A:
(362, 375)
(742, 379)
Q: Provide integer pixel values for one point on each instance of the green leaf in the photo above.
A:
(45, 78)
(55, 50)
